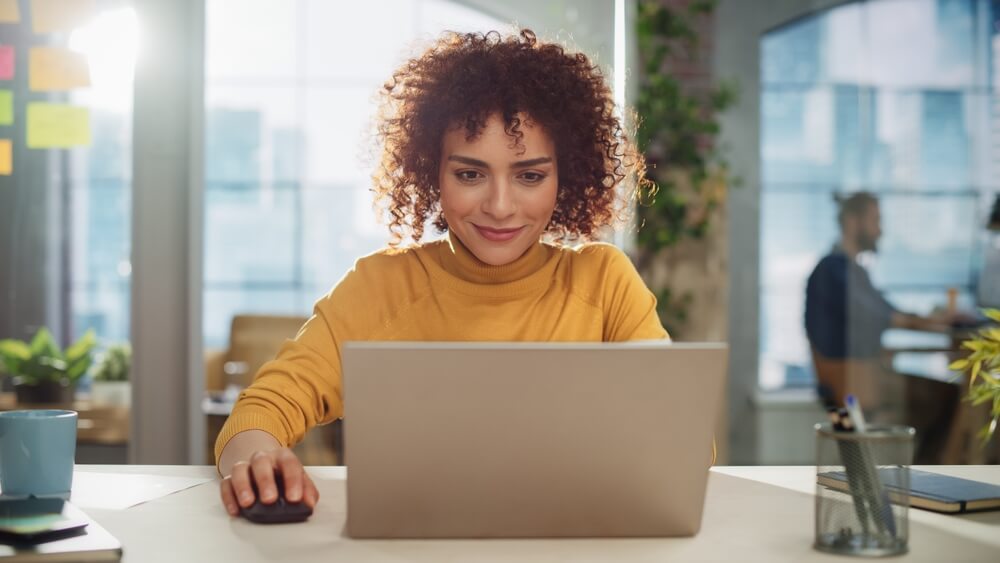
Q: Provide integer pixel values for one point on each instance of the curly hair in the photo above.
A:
(462, 80)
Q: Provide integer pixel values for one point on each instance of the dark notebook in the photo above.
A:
(932, 491)
(83, 541)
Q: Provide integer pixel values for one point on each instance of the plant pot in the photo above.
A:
(44, 392)
(111, 393)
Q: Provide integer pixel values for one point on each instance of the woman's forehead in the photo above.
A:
(495, 135)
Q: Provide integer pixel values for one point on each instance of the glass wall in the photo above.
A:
(288, 143)
(66, 75)
(100, 177)
(894, 97)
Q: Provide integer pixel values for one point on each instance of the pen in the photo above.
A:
(880, 506)
(854, 411)
(854, 481)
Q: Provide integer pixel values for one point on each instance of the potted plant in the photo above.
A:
(44, 373)
(983, 366)
(111, 385)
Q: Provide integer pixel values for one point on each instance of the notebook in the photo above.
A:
(90, 544)
(932, 491)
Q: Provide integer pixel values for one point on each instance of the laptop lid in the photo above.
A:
(529, 439)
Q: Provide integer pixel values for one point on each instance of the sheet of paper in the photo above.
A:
(48, 16)
(6, 107)
(53, 126)
(53, 68)
(118, 491)
(6, 157)
(6, 62)
(9, 12)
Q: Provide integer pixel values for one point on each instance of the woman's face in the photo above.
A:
(498, 198)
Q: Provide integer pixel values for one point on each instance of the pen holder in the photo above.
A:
(862, 490)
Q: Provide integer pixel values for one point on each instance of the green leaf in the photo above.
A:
(993, 314)
(981, 398)
(40, 368)
(973, 345)
(81, 347)
(959, 365)
(13, 352)
(986, 433)
(975, 371)
(75, 370)
(44, 345)
(14, 349)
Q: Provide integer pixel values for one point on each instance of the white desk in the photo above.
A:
(751, 514)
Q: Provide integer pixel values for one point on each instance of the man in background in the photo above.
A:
(845, 316)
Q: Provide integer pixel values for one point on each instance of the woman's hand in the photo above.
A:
(260, 467)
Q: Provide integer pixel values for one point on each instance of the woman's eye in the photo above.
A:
(468, 175)
(532, 177)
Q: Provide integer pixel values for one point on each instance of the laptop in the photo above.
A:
(506, 440)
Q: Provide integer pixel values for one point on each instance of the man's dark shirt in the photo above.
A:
(845, 314)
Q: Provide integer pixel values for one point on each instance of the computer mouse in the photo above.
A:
(280, 511)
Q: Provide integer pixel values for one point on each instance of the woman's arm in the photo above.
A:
(629, 306)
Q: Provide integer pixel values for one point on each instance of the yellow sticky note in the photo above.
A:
(6, 157)
(6, 107)
(53, 68)
(9, 12)
(48, 16)
(55, 126)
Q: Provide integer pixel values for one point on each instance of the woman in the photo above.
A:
(501, 142)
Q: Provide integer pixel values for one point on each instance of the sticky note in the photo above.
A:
(6, 62)
(48, 16)
(9, 12)
(54, 68)
(54, 126)
(6, 107)
(6, 157)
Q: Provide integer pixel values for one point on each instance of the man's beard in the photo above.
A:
(867, 243)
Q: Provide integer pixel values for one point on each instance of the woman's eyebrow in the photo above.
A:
(467, 160)
(482, 164)
(532, 162)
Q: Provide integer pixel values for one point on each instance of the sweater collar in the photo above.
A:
(460, 262)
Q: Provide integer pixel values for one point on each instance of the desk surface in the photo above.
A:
(751, 514)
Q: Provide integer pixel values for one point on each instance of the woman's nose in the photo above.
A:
(500, 203)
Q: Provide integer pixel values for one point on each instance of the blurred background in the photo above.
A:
(181, 179)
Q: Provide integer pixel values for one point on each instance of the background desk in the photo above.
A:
(102, 431)
(751, 514)
(926, 355)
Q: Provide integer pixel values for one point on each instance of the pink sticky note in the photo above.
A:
(6, 62)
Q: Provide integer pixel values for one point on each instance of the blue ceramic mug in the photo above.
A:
(37, 449)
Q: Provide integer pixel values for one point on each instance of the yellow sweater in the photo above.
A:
(440, 291)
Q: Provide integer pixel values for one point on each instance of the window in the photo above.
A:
(288, 108)
(100, 177)
(896, 97)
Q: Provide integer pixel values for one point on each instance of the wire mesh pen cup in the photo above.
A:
(862, 490)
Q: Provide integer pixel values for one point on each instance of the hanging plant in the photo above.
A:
(677, 134)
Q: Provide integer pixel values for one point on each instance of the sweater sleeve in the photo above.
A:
(629, 306)
(301, 387)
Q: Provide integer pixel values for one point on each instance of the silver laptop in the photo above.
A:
(478, 440)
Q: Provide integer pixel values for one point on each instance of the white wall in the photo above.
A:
(167, 425)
